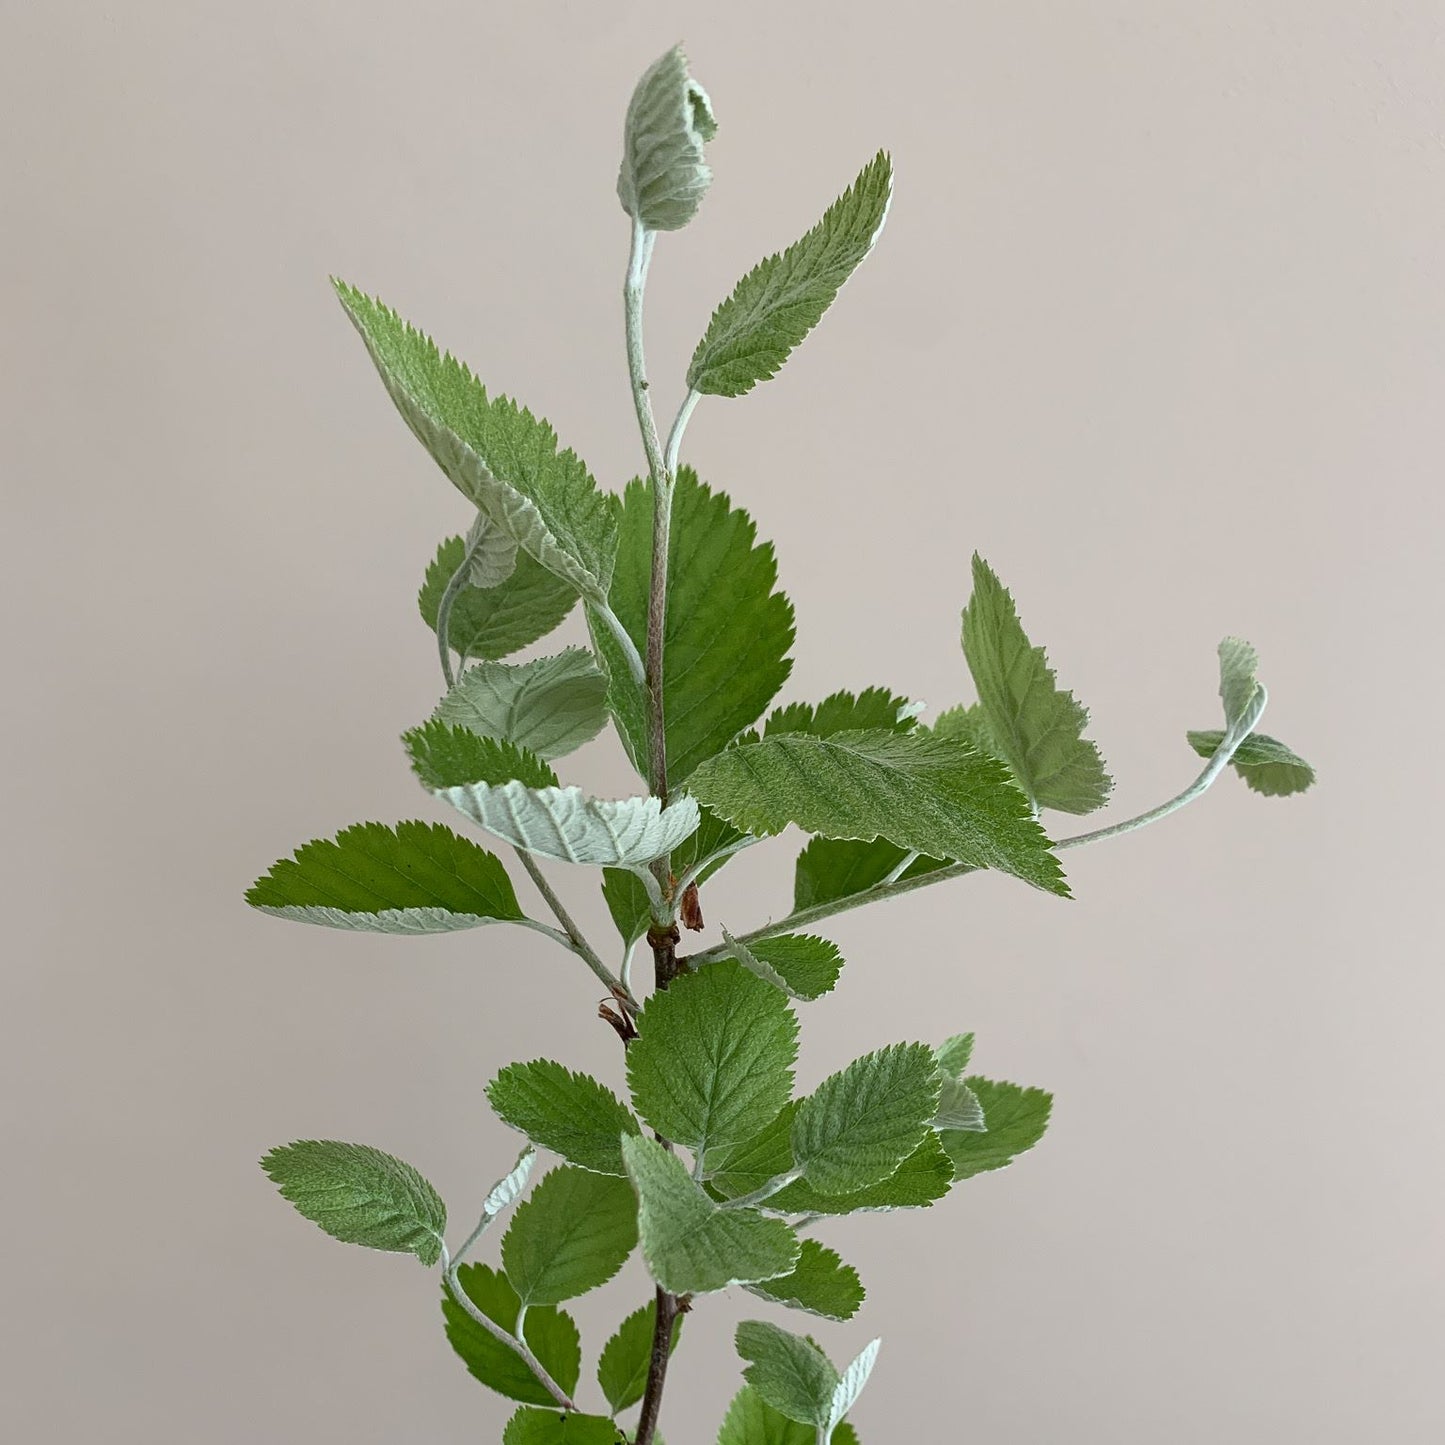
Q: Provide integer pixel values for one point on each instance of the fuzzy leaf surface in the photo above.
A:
(958, 1107)
(713, 1060)
(497, 454)
(623, 1365)
(444, 755)
(1014, 1118)
(573, 1234)
(800, 964)
(360, 1195)
(1038, 727)
(549, 706)
(841, 712)
(789, 1372)
(413, 878)
(495, 621)
(933, 795)
(550, 1334)
(565, 824)
(1238, 686)
(859, 1125)
(569, 1113)
(751, 1421)
(784, 296)
(820, 1284)
(669, 119)
(1265, 763)
(555, 1427)
(830, 868)
(691, 1243)
(728, 629)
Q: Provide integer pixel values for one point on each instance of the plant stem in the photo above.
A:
(444, 610)
(575, 938)
(766, 1191)
(891, 887)
(668, 1310)
(511, 1341)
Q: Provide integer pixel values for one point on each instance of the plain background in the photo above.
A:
(1157, 324)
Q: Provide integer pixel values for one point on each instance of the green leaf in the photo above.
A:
(803, 966)
(625, 895)
(932, 795)
(728, 632)
(691, 1243)
(414, 878)
(1238, 687)
(752, 1421)
(565, 824)
(820, 1283)
(1263, 762)
(958, 1107)
(446, 756)
(1015, 1119)
(549, 706)
(789, 1372)
(784, 297)
(360, 1195)
(491, 553)
(573, 1234)
(1039, 728)
(622, 1368)
(556, 1427)
(550, 1334)
(842, 712)
(919, 1182)
(829, 869)
(664, 176)
(495, 621)
(953, 1054)
(855, 1377)
(713, 1060)
(570, 1114)
(922, 1179)
(859, 1125)
(498, 455)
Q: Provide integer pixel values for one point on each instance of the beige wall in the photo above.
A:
(1157, 325)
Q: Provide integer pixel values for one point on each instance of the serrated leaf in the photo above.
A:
(550, 1334)
(360, 1195)
(446, 756)
(829, 869)
(713, 1060)
(1238, 687)
(625, 895)
(850, 1386)
(573, 1234)
(820, 1284)
(508, 1189)
(497, 454)
(784, 297)
(565, 824)
(860, 1124)
(1038, 727)
(922, 1179)
(789, 1372)
(491, 553)
(1015, 1119)
(954, 1053)
(840, 712)
(664, 177)
(623, 1366)
(800, 964)
(549, 706)
(728, 631)
(495, 621)
(752, 1421)
(1266, 764)
(556, 1427)
(958, 1107)
(570, 1114)
(691, 1243)
(414, 878)
(923, 793)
